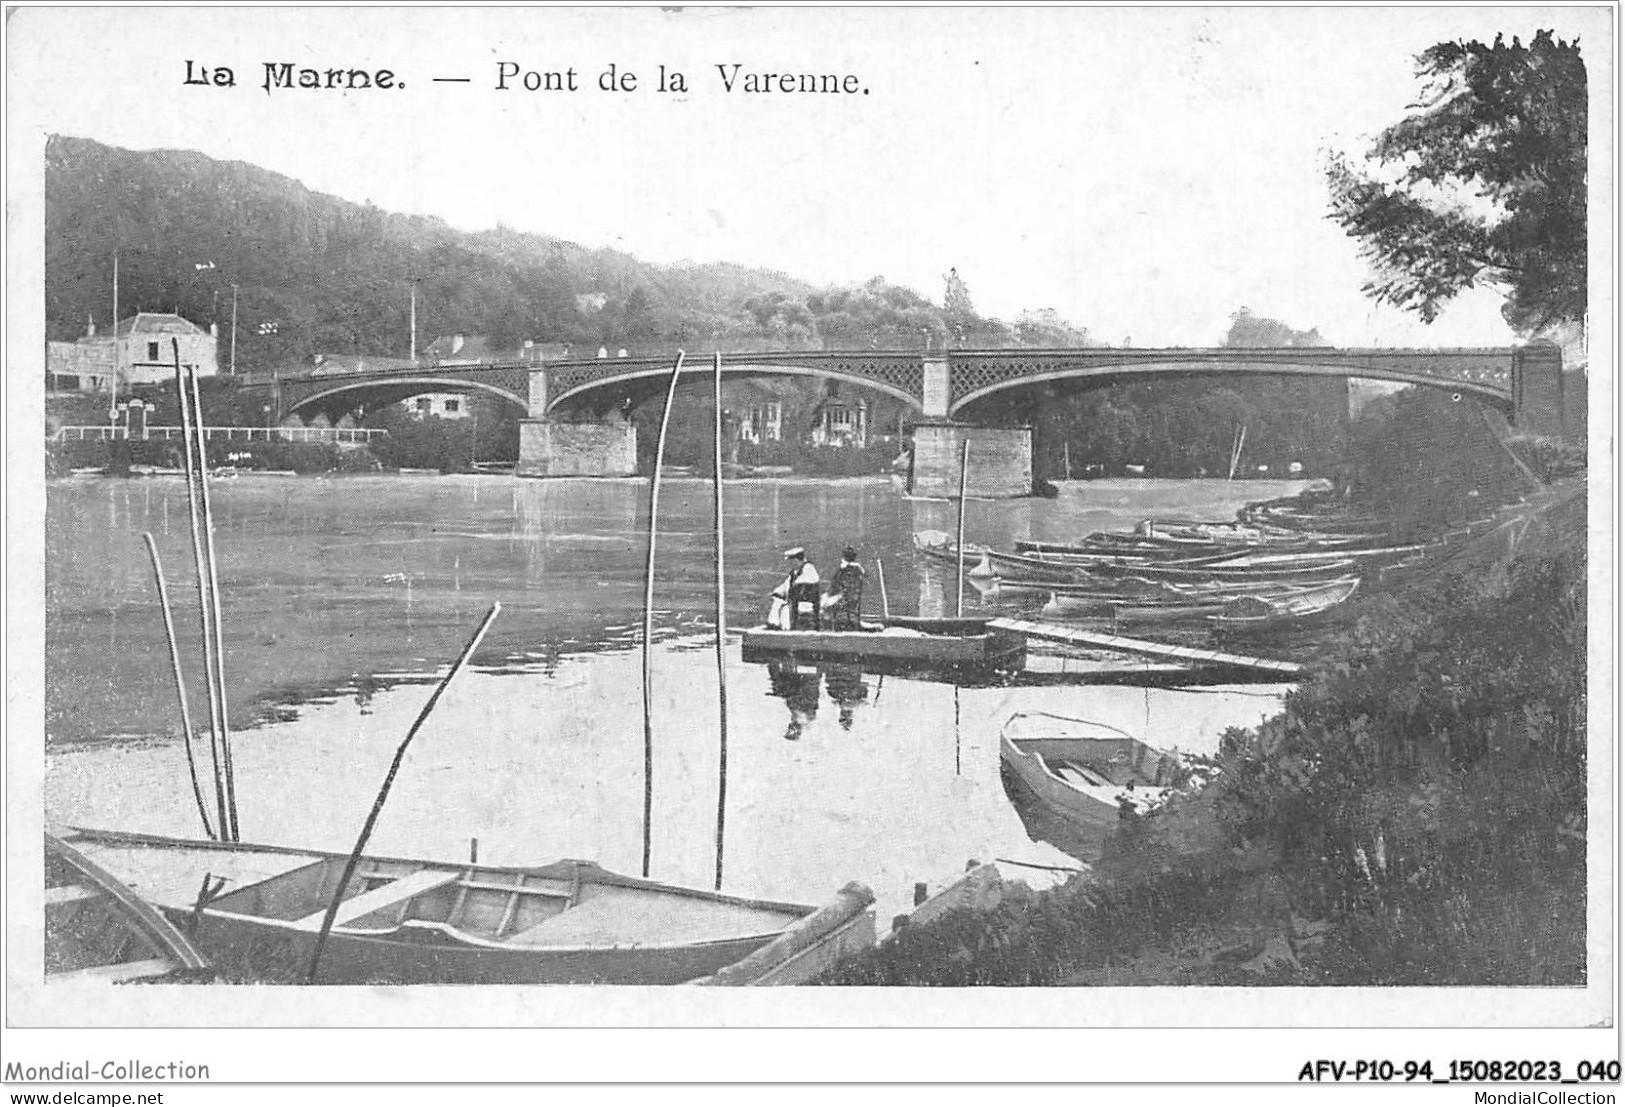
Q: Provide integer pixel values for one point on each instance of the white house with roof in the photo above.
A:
(469, 349)
(839, 422)
(142, 349)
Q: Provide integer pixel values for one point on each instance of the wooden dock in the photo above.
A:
(1072, 636)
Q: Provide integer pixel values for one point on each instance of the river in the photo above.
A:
(345, 597)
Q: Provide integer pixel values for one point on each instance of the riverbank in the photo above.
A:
(1415, 815)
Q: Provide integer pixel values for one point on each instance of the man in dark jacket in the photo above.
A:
(846, 588)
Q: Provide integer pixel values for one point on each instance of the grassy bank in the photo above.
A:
(1415, 815)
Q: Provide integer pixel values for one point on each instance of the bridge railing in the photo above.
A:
(240, 434)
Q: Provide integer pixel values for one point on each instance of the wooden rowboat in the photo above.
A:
(407, 921)
(1120, 549)
(1316, 571)
(98, 929)
(1175, 602)
(1088, 775)
(1252, 614)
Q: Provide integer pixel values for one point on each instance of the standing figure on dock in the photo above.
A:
(802, 589)
(846, 592)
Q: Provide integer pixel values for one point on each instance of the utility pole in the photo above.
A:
(112, 399)
(233, 367)
(414, 323)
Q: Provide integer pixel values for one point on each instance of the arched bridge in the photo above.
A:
(942, 384)
(943, 387)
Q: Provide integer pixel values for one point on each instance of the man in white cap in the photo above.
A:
(802, 589)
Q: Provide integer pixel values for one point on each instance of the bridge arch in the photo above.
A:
(402, 388)
(701, 368)
(979, 378)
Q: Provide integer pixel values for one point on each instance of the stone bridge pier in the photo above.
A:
(1000, 459)
(550, 447)
(999, 463)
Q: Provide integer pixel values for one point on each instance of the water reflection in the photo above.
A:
(1042, 824)
(798, 686)
(848, 689)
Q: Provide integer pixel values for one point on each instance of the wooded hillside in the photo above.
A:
(319, 274)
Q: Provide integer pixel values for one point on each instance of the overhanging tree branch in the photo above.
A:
(1504, 126)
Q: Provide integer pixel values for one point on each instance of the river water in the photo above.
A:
(345, 598)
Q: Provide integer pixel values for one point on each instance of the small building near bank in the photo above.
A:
(442, 405)
(340, 364)
(762, 422)
(477, 349)
(840, 422)
(141, 350)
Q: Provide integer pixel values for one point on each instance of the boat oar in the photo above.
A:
(204, 612)
(648, 611)
(885, 604)
(383, 792)
(180, 683)
(722, 625)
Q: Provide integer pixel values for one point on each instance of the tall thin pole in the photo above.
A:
(383, 792)
(414, 322)
(722, 623)
(112, 397)
(214, 602)
(223, 822)
(885, 604)
(959, 545)
(233, 368)
(180, 683)
(648, 614)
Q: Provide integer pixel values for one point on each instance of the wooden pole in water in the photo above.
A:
(959, 580)
(1235, 451)
(180, 683)
(112, 385)
(223, 821)
(648, 611)
(383, 793)
(885, 604)
(722, 623)
(214, 603)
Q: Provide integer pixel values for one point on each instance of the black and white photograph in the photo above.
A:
(943, 519)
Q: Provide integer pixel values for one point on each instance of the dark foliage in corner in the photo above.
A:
(1484, 183)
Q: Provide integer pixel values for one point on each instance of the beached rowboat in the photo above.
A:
(1251, 614)
(98, 929)
(1087, 774)
(414, 922)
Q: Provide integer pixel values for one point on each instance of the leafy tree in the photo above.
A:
(1254, 331)
(1045, 327)
(1485, 184)
(875, 314)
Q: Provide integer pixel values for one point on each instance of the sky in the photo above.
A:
(1143, 171)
